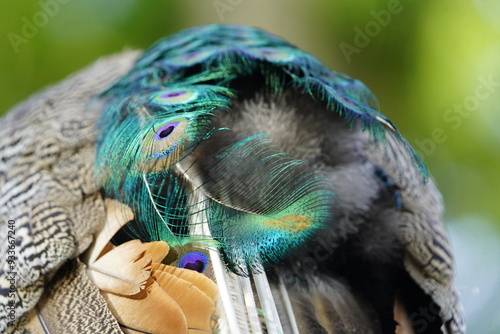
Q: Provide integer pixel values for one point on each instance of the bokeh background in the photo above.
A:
(434, 65)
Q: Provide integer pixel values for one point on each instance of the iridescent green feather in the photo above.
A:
(147, 132)
(131, 125)
(219, 54)
(143, 135)
(264, 203)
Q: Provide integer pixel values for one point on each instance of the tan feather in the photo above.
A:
(152, 310)
(157, 249)
(124, 270)
(201, 281)
(196, 305)
(136, 299)
(117, 215)
(180, 298)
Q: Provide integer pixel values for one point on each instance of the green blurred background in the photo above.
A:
(434, 65)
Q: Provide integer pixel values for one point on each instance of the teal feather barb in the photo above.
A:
(160, 113)
(262, 203)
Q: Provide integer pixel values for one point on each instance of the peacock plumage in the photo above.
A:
(264, 170)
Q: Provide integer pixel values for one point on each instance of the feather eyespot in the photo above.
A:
(174, 96)
(166, 138)
(195, 261)
(165, 131)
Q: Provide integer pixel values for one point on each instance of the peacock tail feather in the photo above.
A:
(164, 108)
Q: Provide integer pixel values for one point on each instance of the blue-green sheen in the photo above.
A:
(159, 112)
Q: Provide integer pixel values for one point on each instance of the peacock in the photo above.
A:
(221, 181)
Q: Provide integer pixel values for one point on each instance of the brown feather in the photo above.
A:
(151, 310)
(157, 249)
(123, 270)
(196, 305)
(201, 281)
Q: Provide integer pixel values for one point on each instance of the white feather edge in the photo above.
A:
(271, 316)
(288, 307)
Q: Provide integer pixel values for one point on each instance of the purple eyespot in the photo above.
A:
(165, 131)
(174, 97)
(194, 261)
(172, 94)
